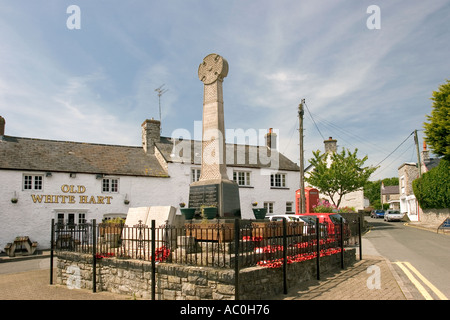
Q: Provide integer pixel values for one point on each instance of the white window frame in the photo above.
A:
(269, 206)
(109, 187)
(35, 184)
(195, 174)
(242, 178)
(402, 185)
(278, 180)
(289, 204)
(79, 216)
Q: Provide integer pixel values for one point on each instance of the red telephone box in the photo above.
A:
(311, 199)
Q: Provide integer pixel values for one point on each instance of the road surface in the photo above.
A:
(420, 257)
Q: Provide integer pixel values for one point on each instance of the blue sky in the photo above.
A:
(367, 88)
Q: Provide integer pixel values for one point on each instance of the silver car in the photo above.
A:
(308, 223)
(393, 215)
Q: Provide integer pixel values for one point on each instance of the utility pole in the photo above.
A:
(419, 164)
(301, 112)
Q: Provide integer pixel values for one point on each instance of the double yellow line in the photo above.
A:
(406, 267)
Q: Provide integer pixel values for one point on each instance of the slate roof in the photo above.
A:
(245, 156)
(65, 156)
(30, 154)
(432, 163)
(390, 190)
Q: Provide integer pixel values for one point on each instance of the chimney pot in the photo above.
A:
(271, 139)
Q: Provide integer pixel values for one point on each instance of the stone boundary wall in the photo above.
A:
(182, 282)
(434, 217)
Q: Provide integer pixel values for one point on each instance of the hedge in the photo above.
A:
(432, 190)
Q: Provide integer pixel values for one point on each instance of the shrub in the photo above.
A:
(432, 190)
(324, 206)
(346, 210)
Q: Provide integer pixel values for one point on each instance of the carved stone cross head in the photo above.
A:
(213, 68)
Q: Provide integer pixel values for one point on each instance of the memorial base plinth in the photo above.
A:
(223, 194)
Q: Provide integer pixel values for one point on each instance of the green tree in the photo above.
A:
(437, 130)
(343, 175)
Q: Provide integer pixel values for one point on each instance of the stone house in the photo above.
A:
(407, 173)
(41, 180)
(391, 195)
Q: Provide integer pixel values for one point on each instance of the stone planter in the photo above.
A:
(188, 213)
(209, 212)
(107, 228)
(268, 230)
(211, 231)
(260, 213)
(112, 239)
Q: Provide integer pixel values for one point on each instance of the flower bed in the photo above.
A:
(276, 263)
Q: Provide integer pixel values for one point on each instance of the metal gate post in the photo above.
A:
(94, 256)
(52, 241)
(236, 258)
(318, 248)
(284, 257)
(359, 235)
(153, 260)
(342, 243)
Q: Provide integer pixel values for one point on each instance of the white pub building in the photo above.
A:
(41, 180)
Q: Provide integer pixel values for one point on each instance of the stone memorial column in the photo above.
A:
(214, 187)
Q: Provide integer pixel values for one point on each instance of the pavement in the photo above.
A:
(372, 278)
(358, 282)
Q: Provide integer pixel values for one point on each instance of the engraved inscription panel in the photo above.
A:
(207, 195)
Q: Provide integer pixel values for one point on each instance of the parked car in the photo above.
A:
(329, 219)
(377, 214)
(393, 215)
(309, 223)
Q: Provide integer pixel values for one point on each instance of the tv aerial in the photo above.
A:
(160, 91)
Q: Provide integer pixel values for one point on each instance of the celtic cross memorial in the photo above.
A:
(214, 188)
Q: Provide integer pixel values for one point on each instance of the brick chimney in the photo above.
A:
(425, 153)
(2, 126)
(151, 134)
(330, 145)
(271, 139)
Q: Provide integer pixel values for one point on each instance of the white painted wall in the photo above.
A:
(33, 219)
(260, 191)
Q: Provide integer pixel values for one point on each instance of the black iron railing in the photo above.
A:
(223, 245)
(212, 244)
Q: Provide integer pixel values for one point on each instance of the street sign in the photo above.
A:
(444, 225)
